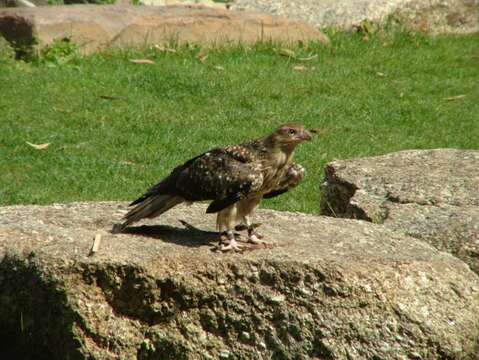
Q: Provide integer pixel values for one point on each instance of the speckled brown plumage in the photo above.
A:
(234, 178)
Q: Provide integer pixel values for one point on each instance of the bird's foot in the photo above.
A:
(232, 246)
(229, 236)
(254, 237)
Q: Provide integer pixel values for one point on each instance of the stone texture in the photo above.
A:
(434, 16)
(431, 195)
(96, 27)
(328, 289)
(152, 2)
(13, 3)
(184, 2)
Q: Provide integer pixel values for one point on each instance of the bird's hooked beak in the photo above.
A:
(305, 136)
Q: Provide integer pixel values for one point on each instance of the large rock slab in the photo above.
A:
(328, 289)
(431, 195)
(96, 27)
(435, 16)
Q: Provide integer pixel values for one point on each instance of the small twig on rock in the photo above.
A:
(96, 245)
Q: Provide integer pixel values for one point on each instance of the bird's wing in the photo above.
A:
(222, 175)
(292, 177)
(166, 185)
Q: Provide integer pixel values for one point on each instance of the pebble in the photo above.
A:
(305, 291)
(225, 354)
(278, 298)
(245, 335)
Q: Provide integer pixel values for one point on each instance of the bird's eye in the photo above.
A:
(292, 131)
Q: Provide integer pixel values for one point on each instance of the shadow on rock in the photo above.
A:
(188, 236)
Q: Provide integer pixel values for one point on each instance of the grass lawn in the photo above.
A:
(116, 127)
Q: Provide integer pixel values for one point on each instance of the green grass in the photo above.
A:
(386, 94)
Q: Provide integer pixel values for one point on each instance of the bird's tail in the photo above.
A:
(149, 208)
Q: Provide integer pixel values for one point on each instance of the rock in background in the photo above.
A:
(430, 16)
(434, 16)
(94, 27)
(13, 3)
(149, 2)
(431, 195)
(328, 289)
(184, 2)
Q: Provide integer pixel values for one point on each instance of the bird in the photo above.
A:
(233, 178)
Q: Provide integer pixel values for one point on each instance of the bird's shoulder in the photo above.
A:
(247, 152)
(234, 163)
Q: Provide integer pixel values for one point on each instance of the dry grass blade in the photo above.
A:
(60, 110)
(299, 68)
(126, 162)
(142, 61)
(454, 98)
(38, 146)
(309, 58)
(287, 52)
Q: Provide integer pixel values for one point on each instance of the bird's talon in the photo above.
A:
(232, 246)
(253, 236)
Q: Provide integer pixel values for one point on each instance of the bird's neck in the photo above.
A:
(280, 151)
(274, 145)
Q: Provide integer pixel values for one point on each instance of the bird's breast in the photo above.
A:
(272, 177)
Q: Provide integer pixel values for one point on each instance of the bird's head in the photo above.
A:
(290, 135)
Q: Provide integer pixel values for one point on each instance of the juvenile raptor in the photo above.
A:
(234, 178)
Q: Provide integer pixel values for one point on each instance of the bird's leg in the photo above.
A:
(225, 224)
(253, 236)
